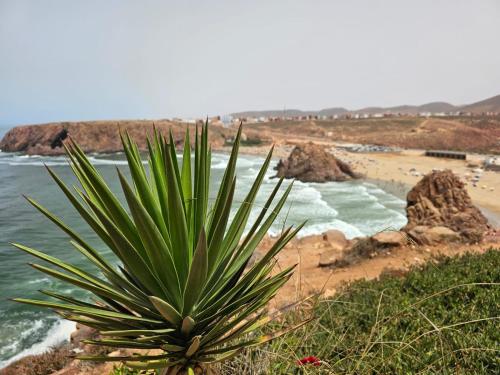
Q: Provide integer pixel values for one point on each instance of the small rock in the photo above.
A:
(329, 293)
(335, 239)
(389, 239)
(330, 258)
(82, 333)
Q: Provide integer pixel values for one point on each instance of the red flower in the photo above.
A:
(315, 361)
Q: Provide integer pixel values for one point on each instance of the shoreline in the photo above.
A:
(394, 178)
(400, 189)
(397, 170)
(385, 182)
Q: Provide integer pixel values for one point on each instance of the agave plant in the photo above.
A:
(182, 290)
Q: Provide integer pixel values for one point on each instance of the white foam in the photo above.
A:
(220, 165)
(57, 334)
(305, 193)
(14, 344)
(38, 281)
(98, 161)
(349, 230)
(220, 161)
(52, 161)
(247, 163)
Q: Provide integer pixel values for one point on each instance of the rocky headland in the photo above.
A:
(98, 136)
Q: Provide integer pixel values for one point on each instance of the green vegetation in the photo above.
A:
(180, 288)
(443, 318)
(123, 370)
(244, 142)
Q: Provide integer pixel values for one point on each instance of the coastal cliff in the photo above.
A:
(96, 136)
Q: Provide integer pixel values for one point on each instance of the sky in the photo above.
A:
(63, 60)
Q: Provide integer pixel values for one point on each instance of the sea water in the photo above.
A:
(356, 208)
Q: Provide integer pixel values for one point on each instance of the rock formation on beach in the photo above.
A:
(313, 163)
(97, 136)
(440, 207)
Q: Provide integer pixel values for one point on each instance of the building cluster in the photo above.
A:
(354, 115)
(229, 120)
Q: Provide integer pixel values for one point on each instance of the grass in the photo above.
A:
(442, 318)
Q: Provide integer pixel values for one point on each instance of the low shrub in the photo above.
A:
(441, 318)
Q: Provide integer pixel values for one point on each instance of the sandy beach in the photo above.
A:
(408, 167)
(397, 172)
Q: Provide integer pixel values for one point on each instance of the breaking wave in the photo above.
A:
(58, 333)
(51, 161)
(356, 208)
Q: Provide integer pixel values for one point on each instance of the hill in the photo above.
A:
(487, 105)
(291, 113)
(479, 134)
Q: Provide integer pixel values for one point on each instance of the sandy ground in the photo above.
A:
(309, 278)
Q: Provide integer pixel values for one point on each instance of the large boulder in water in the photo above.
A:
(440, 200)
(313, 163)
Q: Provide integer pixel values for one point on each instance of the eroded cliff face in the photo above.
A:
(97, 136)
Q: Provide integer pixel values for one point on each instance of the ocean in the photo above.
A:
(357, 208)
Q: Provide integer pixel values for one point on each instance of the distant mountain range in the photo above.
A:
(488, 105)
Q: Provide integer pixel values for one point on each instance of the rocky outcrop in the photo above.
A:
(97, 136)
(335, 239)
(331, 258)
(440, 200)
(426, 235)
(313, 163)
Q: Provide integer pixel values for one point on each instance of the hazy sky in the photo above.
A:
(103, 59)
